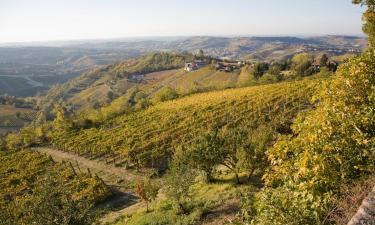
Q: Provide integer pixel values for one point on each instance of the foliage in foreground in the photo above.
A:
(331, 146)
(36, 190)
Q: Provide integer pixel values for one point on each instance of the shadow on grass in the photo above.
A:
(255, 180)
(118, 201)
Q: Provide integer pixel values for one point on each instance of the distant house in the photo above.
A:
(138, 77)
(191, 66)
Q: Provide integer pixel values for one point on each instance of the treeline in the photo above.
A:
(301, 65)
(18, 102)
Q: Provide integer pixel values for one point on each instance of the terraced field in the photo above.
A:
(149, 137)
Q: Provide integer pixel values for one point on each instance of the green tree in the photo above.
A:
(302, 64)
(331, 146)
(180, 177)
(369, 19)
(165, 94)
(259, 69)
(275, 70)
(207, 152)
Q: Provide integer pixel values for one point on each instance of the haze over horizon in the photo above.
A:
(42, 20)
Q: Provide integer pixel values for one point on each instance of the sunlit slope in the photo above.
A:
(152, 134)
(95, 87)
(204, 79)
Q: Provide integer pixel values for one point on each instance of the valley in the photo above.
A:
(188, 129)
(36, 69)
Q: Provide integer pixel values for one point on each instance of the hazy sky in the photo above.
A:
(36, 20)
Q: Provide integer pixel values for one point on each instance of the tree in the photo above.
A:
(165, 94)
(252, 156)
(110, 96)
(180, 177)
(324, 60)
(245, 150)
(200, 54)
(259, 69)
(369, 19)
(302, 64)
(207, 152)
(147, 191)
(60, 123)
(331, 146)
(275, 70)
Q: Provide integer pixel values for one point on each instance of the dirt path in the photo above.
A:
(120, 179)
(114, 176)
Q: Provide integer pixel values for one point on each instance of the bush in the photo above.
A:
(165, 94)
(331, 146)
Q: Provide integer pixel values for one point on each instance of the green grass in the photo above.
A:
(207, 203)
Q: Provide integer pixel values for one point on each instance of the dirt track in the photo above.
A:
(117, 177)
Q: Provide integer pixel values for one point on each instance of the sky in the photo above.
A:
(43, 20)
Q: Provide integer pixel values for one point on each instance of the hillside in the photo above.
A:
(37, 185)
(36, 67)
(142, 79)
(154, 133)
(99, 86)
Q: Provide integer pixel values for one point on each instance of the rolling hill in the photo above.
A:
(93, 88)
(148, 137)
(36, 67)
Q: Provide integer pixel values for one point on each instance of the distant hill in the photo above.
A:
(99, 86)
(37, 68)
(148, 74)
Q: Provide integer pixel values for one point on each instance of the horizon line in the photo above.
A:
(148, 37)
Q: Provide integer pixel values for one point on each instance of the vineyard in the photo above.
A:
(22, 182)
(149, 137)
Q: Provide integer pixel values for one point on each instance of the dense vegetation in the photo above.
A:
(36, 190)
(331, 147)
(147, 136)
(288, 147)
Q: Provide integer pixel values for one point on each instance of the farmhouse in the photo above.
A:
(191, 66)
(196, 64)
(138, 77)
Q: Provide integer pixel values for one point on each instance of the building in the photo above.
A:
(138, 77)
(191, 66)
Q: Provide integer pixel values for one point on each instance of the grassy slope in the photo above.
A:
(93, 86)
(159, 129)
